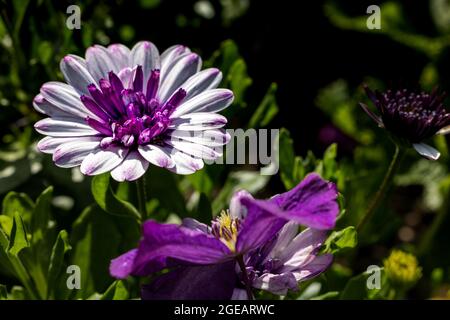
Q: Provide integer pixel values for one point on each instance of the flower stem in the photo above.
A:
(142, 197)
(430, 234)
(248, 286)
(393, 166)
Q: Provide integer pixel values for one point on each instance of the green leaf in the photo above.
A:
(239, 81)
(203, 211)
(357, 289)
(266, 110)
(108, 201)
(41, 216)
(98, 237)
(18, 239)
(60, 248)
(117, 291)
(326, 296)
(18, 202)
(3, 292)
(158, 184)
(288, 161)
(329, 162)
(6, 224)
(252, 181)
(4, 241)
(340, 240)
(13, 174)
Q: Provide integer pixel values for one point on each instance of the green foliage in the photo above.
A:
(340, 240)
(108, 201)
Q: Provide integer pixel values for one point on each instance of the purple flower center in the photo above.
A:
(130, 116)
(411, 115)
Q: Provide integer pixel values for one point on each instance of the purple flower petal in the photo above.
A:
(301, 250)
(311, 203)
(276, 283)
(314, 268)
(122, 266)
(259, 226)
(162, 244)
(213, 282)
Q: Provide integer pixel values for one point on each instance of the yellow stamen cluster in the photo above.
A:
(402, 268)
(226, 229)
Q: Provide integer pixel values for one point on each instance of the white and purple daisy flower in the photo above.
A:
(411, 117)
(204, 261)
(122, 109)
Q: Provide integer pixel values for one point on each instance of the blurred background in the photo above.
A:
(294, 65)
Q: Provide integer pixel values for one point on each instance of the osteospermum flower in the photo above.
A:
(411, 117)
(122, 109)
(206, 261)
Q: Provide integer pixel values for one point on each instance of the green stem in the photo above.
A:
(393, 166)
(248, 286)
(429, 235)
(142, 198)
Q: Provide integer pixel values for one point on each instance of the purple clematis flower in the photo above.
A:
(204, 260)
(411, 117)
(122, 109)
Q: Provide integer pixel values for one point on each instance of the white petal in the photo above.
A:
(132, 168)
(213, 100)
(65, 98)
(427, 151)
(45, 107)
(64, 128)
(126, 76)
(185, 164)
(211, 138)
(72, 154)
(201, 81)
(171, 55)
(159, 156)
(444, 131)
(193, 149)
(75, 72)
(102, 161)
(49, 144)
(120, 55)
(183, 69)
(99, 62)
(145, 54)
(198, 121)
(285, 237)
(237, 209)
(301, 250)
